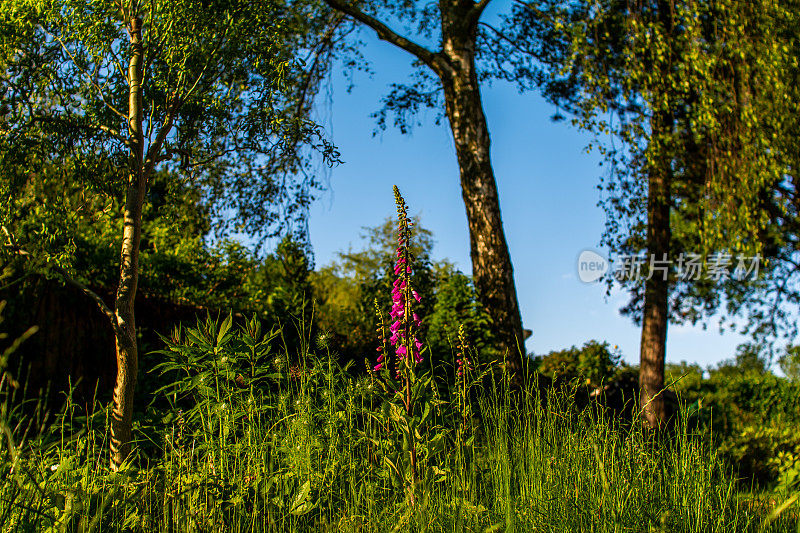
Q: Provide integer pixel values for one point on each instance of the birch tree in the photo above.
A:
(120, 88)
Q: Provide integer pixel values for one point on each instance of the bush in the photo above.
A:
(753, 415)
(594, 362)
(765, 455)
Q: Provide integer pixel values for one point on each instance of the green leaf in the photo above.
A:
(396, 412)
(425, 413)
(301, 505)
(224, 328)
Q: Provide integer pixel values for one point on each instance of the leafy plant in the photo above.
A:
(594, 362)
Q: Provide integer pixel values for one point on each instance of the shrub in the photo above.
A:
(594, 362)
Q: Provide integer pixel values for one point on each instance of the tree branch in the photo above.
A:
(112, 317)
(152, 157)
(89, 78)
(154, 149)
(476, 12)
(503, 37)
(318, 52)
(386, 34)
(85, 127)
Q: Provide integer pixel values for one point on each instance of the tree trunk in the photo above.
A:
(125, 330)
(656, 297)
(659, 234)
(491, 261)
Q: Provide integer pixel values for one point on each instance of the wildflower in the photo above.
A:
(463, 365)
(461, 358)
(401, 290)
(416, 348)
(404, 321)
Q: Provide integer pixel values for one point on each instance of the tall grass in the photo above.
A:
(253, 438)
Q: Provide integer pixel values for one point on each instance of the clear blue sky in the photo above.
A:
(548, 197)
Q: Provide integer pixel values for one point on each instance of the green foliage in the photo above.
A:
(751, 412)
(457, 303)
(684, 375)
(765, 455)
(595, 362)
(178, 260)
(702, 91)
(226, 132)
(714, 69)
(305, 448)
(790, 363)
(213, 372)
(750, 359)
(345, 292)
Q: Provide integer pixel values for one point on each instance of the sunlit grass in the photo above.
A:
(306, 450)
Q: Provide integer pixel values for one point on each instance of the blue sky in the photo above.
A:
(548, 196)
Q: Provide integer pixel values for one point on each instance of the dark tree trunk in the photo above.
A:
(656, 297)
(125, 328)
(655, 317)
(491, 261)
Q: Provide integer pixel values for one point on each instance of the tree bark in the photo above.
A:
(655, 317)
(125, 330)
(491, 262)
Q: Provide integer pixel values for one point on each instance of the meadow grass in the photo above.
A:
(307, 446)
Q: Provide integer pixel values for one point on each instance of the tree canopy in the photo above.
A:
(102, 95)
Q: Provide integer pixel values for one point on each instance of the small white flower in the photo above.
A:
(54, 467)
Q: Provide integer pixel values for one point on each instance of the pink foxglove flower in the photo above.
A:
(405, 322)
